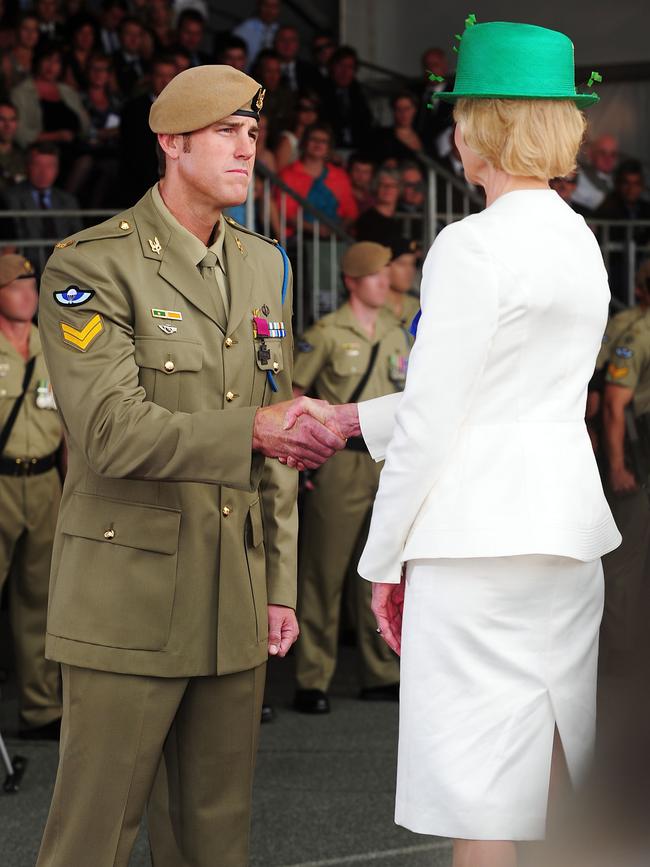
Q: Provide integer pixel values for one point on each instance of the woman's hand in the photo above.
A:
(387, 606)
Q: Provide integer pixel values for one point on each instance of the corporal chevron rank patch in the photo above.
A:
(81, 339)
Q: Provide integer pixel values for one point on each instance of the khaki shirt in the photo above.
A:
(410, 307)
(37, 430)
(617, 326)
(629, 361)
(334, 354)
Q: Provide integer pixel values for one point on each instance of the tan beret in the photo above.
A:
(365, 258)
(203, 95)
(643, 275)
(13, 267)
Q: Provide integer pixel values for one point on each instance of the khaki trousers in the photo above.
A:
(28, 513)
(116, 729)
(333, 532)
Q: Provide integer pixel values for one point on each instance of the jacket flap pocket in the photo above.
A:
(268, 354)
(168, 356)
(116, 522)
(256, 527)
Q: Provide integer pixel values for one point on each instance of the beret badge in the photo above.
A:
(259, 98)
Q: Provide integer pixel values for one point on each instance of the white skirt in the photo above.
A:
(495, 653)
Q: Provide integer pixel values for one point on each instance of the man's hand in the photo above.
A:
(283, 629)
(622, 481)
(343, 420)
(305, 443)
(387, 606)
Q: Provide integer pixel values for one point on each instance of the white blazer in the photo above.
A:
(487, 452)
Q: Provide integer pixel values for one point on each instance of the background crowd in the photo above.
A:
(77, 80)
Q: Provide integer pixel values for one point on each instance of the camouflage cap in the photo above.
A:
(14, 267)
(365, 258)
(203, 95)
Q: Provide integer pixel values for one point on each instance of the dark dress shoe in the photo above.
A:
(267, 713)
(311, 701)
(390, 692)
(49, 732)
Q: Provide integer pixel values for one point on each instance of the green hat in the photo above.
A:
(503, 60)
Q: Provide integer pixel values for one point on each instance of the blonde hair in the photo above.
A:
(532, 138)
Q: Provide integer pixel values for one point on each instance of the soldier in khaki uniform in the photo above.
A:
(627, 570)
(356, 353)
(402, 300)
(166, 328)
(30, 490)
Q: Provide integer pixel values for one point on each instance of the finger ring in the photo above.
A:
(378, 630)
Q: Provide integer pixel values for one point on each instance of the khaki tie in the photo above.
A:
(211, 271)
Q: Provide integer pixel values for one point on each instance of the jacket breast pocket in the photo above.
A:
(166, 366)
(347, 363)
(116, 577)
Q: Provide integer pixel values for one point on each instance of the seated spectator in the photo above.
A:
(159, 19)
(17, 62)
(138, 158)
(286, 150)
(625, 202)
(434, 117)
(51, 111)
(50, 23)
(315, 178)
(379, 222)
(104, 110)
(399, 141)
(279, 101)
(298, 75)
(129, 64)
(83, 38)
(344, 105)
(414, 188)
(191, 33)
(181, 58)
(38, 192)
(403, 300)
(565, 188)
(258, 32)
(12, 158)
(596, 177)
(113, 11)
(361, 171)
(232, 51)
(323, 47)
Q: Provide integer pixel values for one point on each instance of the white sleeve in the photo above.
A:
(377, 420)
(458, 322)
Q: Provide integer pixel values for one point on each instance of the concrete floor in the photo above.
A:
(323, 795)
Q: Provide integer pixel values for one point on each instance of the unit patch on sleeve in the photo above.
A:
(73, 296)
(82, 338)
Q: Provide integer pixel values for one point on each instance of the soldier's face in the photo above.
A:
(19, 300)
(373, 289)
(219, 161)
(402, 272)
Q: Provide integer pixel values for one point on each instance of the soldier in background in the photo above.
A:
(30, 490)
(402, 299)
(356, 353)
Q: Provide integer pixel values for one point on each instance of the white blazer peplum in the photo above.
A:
(487, 451)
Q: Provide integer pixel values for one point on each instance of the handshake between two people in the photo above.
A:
(303, 433)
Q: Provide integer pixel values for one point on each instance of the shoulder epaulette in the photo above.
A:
(235, 225)
(114, 227)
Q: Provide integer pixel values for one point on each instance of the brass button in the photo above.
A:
(109, 534)
(230, 395)
(228, 342)
(124, 225)
(169, 366)
(3, 392)
(276, 367)
(226, 511)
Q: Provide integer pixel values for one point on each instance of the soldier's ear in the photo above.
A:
(170, 144)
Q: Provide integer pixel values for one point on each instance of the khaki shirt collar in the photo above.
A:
(34, 345)
(345, 318)
(194, 247)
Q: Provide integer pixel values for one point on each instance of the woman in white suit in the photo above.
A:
(490, 519)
